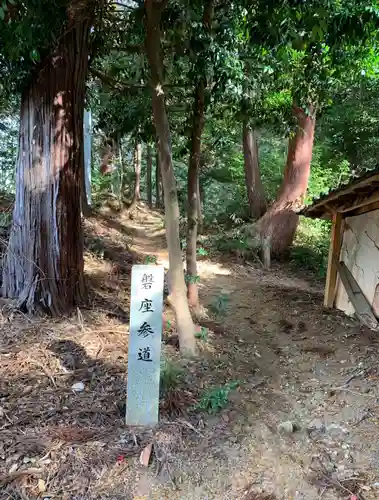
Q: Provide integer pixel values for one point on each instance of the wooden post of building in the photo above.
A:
(334, 254)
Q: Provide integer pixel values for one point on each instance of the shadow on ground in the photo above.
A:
(293, 363)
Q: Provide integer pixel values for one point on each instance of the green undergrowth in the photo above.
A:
(215, 399)
(309, 251)
(171, 376)
(311, 246)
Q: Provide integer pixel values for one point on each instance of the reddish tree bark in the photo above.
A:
(185, 326)
(43, 267)
(254, 186)
(278, 226)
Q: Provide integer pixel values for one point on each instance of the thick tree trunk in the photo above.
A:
(254, 186)
(149, 169)
(157, 182)
(43, 267)
(185, 326)
(193, 193)
(137, 171)
(278, 226)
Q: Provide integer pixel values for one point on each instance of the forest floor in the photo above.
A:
(301, 424)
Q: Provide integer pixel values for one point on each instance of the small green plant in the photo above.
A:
(236, 241)
(150, 259)
(203, 334)
(220, 304)
(216, 398)
(202, 252)
(170, 377)
(191, 279)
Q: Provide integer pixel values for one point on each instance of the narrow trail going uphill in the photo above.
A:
(301, 424)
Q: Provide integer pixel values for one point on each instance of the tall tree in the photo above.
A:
(186, 328)
(255, 191)
(251, 105)
(149, 171)
(158, 182)
(278, 225)
(43, 267)
(197, 126)
(316, 41)
(193, 213)
(137, 173)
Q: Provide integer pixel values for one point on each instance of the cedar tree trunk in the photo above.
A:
(149, 168)
(43, 267)
(193, 193)
(278, 226)
(185, 326)
(254, 186)
(137, 171)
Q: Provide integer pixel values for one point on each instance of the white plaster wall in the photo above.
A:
(360, 252)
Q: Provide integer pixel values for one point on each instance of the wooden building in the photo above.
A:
(354, 244)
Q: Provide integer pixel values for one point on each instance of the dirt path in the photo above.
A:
(298, 366)
(302, 424)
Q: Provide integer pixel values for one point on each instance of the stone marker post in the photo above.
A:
(145, 334)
